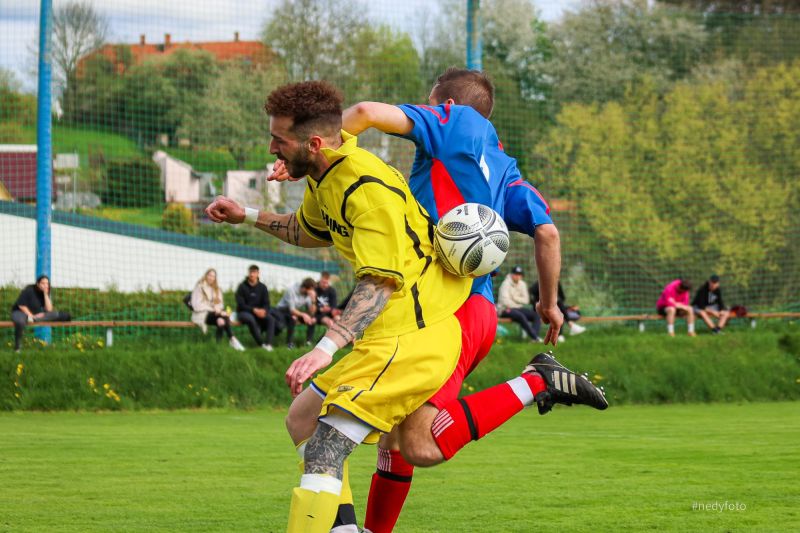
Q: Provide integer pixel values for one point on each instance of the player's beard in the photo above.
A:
(300, 165)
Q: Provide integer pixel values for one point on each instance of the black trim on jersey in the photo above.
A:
(417, 306)
(392, 476)
(431, 223)
(361, 181)
(321, 235)
(389, 362)
(327, 170)
(414, 239)
(473, 429)
(399, 274)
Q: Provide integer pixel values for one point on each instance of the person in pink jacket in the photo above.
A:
(674, 300)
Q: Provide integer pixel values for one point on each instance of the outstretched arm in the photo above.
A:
(285, 227)
(548, 264)
(385, 117)
(366, 303)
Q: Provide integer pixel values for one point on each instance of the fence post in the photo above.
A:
(474, 43)
(109, 337)
(44, 155)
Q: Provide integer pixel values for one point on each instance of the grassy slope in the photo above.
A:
(68, 139)
(154, 371)
(630, 468)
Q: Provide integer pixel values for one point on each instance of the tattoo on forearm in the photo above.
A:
(293, 225)
(342, 331)
(368, 300)
(326, 451)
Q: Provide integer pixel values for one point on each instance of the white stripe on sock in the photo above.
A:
(321, 483)
(522, 390)
(442, 421)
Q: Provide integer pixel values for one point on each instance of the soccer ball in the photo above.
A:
(471, 240)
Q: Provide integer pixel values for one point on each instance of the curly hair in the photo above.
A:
(315, 107)
(466, 87)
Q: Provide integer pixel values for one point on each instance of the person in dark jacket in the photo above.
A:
(34, 305)
(327, 312)
(708, 304)
(252, 308)
(571, 312)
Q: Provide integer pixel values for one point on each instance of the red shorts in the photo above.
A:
(478, 319)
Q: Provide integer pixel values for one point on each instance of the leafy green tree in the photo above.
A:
(698, 180)
(159, 93)
(600, 49)
(94, 97)
(755, 31)
(16, 106)
(230, 112)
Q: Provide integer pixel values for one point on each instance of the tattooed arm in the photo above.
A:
(368, 300)
(285, 227)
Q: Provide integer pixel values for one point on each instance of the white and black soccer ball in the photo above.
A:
(471, 240)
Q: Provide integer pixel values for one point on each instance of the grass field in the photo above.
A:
(630, 468)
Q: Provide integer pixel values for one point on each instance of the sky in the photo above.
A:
(198, 20)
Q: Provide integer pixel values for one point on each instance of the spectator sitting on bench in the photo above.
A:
(327, 312)
(252, 308)
(674, 301)
(571, 312)
(34, 305)
(208, 309)
(708, 303)
(288, 311)
(513, 302)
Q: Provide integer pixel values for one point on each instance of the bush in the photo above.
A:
(12, 133)
(133, 183)
(178, 218)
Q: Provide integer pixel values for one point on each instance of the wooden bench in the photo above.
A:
(641, 319)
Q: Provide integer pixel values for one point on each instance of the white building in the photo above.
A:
(180, 182)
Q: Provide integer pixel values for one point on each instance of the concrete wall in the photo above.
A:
(96, 259)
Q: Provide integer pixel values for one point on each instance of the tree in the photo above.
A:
(230, 112)
(159, 93)
(692, 181)
(608, 44)
(77, 30)
(756, 31)
(314, 38)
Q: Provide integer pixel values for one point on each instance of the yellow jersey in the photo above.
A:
(365, 208)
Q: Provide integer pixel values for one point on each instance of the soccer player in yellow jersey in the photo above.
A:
(401, 314)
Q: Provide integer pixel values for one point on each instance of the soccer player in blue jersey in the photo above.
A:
(459, 159)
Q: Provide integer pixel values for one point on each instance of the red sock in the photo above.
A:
(476, 415)
(387, 494)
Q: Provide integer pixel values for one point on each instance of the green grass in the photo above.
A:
(630, 468)
(67, 139)
(155, 368)
(145, 216)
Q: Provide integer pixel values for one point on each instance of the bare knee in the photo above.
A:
(416, 440)
(301, 420)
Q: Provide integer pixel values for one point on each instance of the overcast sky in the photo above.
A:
(199, 20)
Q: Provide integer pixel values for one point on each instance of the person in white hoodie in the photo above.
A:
(513, 301)
(208, 308)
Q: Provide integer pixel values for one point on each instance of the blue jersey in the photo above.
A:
(460, 159)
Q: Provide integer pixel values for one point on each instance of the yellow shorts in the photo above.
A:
(384, 380)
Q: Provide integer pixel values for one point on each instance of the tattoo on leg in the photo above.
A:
(326, 451)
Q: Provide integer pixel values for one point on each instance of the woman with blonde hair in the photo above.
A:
(208, 308)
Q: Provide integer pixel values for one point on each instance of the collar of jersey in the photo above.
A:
(349, 145)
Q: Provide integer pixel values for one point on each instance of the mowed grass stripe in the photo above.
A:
(632, 467)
